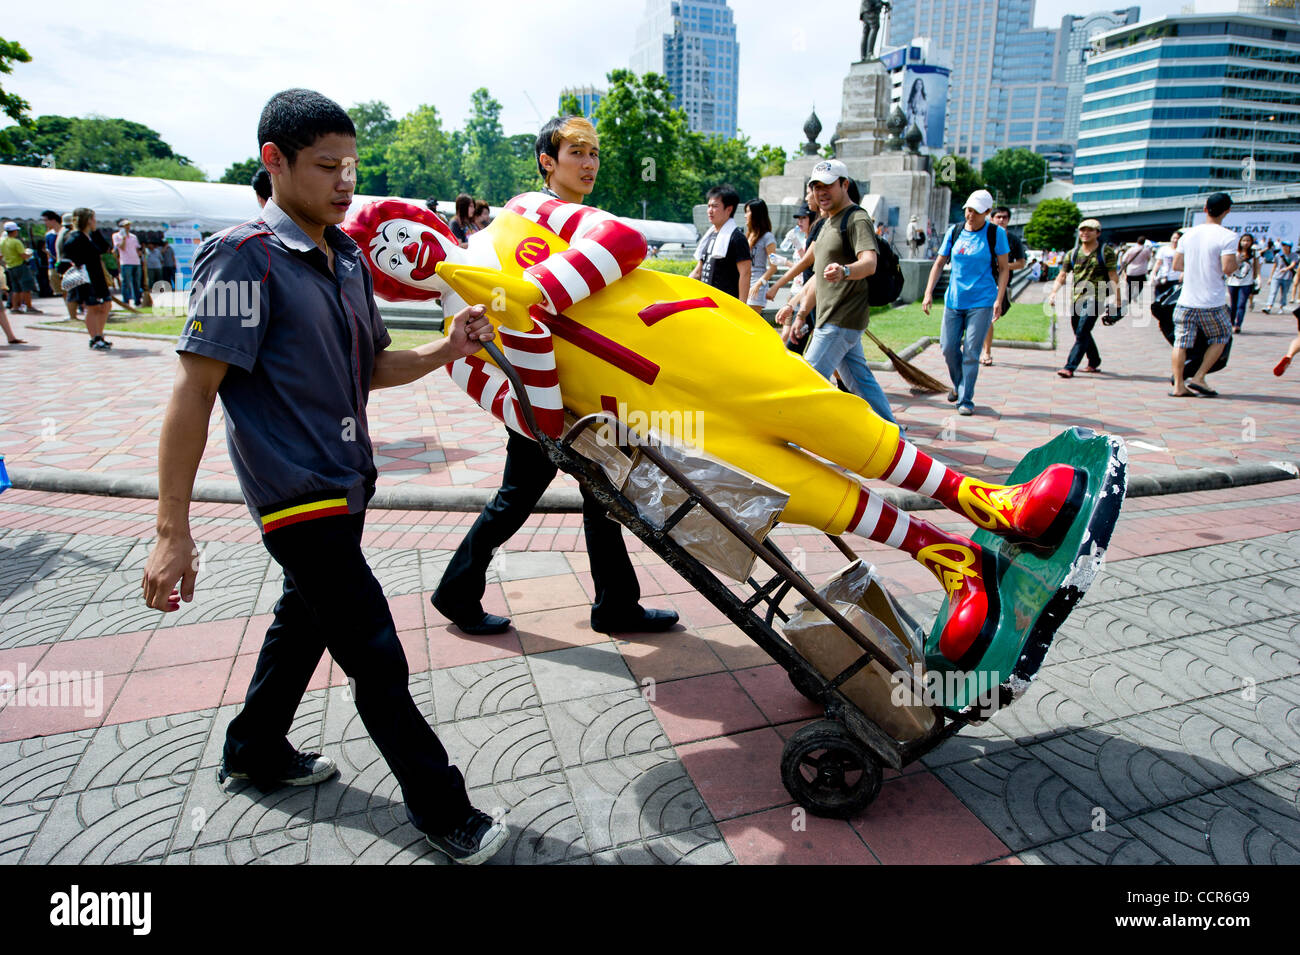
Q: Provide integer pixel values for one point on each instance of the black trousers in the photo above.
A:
(528, 473)
(332, 601)
(1084, 343)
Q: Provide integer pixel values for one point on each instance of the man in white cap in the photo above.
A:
(844, 257)
(981, 269)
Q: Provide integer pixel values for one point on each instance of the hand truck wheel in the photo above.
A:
(809, 688)
(828, 771)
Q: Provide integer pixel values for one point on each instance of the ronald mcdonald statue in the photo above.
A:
(589, 332)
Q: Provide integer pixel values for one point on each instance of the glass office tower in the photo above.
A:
(693, 43)
(1183, 104)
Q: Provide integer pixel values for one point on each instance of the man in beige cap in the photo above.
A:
(1095, 282)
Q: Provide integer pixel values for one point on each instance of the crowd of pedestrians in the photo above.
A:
(85, 265)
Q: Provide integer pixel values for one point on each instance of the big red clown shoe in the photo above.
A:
(590, 331)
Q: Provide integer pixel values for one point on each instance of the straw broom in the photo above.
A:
(914, 376)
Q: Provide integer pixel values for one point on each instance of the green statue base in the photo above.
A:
(1036, 589)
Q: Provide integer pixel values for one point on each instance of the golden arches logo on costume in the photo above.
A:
(986, 505)
(949, 562)
(531, 251)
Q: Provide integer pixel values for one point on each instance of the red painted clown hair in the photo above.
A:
(364, 226)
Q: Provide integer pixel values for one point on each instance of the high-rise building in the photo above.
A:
(1072, 45)
(588, 98)
(1003, 91)
(693, 43)
(1192, 103)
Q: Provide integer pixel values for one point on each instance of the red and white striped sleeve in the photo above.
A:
(602, 248)
(533, 355)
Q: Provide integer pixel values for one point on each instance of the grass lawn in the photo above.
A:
(899, 327)
(896, 327)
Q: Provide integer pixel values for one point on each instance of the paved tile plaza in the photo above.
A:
(1170, 704)
(66, 407)
(1165, 725)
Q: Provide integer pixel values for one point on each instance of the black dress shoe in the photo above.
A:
(482, 625)
(644, 621)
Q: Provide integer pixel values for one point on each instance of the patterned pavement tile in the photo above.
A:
(578, 672)
(165, 747)
(287, 846)
(1115, 845)
(35, 770)
(496, 749)
(1243, 825)
(1021, 800)
(107, 826)
(1199, 746)
(635, 798)
(703, 846)
(482, 689)
(1114, 773)
(605, 727)
(18, 826)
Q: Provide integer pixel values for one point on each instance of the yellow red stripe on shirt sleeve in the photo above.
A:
(303, 512)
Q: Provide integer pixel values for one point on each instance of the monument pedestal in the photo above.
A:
(896, 184)
(862, 131)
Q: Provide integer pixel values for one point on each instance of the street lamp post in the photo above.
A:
(1254, 131)
(1042, 180)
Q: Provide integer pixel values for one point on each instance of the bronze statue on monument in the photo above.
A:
(870, 15)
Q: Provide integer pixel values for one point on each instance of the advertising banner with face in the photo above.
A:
(925, 100)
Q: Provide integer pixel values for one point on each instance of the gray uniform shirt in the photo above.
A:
(301, 343)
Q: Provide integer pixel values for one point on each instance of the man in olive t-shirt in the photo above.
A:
(842, 267)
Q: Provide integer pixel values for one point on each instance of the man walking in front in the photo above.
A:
(1207, 255)
(294, 370)
(844, 257)
(981, 269)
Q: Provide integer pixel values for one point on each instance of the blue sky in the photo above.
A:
(201, 80)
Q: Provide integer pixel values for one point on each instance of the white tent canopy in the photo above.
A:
(27, 191)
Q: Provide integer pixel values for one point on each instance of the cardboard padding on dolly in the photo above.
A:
(830, 650)
(751, 502)
(594, 445)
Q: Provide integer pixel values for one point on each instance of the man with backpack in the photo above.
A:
(1093, 268)
(981, 269)
(844, 257)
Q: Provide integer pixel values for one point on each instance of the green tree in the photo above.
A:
(713, 161)
(641, 144)
(523, 153)
(90, 144)
(1012, 173)
(570, 105)
(375, 128)
(240, 173)
(771, 160)
(419, 158)
(959, 176)
(168, 168)
(12, 105)
(489, 169)
(1053, 224)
